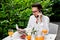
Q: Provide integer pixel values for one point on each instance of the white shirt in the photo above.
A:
(41, 25)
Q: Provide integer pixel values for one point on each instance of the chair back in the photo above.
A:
(53, 28)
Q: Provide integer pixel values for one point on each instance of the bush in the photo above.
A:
(14, 12)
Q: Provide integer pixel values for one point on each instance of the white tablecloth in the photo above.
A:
(48, 37)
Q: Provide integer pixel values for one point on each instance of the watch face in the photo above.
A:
(23, 36)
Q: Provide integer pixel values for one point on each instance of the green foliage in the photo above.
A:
(14, 12)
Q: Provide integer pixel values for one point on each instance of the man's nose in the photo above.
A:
(33, 13)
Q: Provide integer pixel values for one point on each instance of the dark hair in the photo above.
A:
(38, 6)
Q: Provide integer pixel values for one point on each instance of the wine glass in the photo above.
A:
(10, 33)
(45, 31)
(28, 37)
(39, 36)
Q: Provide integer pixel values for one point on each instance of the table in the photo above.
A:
(48, 37)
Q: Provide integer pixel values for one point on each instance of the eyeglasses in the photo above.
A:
(34, 11)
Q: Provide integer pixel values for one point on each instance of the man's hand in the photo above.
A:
(40, 17)
(21, 31)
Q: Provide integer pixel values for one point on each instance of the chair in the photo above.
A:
(53, 28)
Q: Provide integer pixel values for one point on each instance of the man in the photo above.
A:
(37, 20)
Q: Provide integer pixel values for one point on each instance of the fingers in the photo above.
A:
(21, 31)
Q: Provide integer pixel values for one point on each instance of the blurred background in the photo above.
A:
(14, 12)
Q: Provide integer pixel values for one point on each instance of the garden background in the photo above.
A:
(14, 12)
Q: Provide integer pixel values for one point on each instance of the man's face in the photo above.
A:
(35, 11)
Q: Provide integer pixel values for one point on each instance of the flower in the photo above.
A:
(33, 31)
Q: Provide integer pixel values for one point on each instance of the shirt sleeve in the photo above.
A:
(28, 29)
(46, 23)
